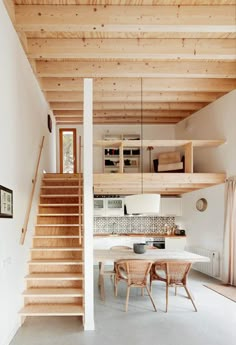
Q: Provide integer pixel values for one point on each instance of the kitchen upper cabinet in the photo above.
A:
(171, 207)
(108, 207)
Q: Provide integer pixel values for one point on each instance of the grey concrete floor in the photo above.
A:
(213, 324)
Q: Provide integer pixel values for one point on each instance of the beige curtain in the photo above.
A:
(229, 250)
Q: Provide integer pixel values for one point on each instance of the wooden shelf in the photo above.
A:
(187, 145)
(159, 143)
(115, 153)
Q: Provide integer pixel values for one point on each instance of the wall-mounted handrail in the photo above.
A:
(27, 215)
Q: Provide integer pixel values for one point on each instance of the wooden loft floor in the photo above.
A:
(161, 183)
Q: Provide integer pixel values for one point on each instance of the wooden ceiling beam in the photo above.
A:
(126, 2)
(134, 84)
(131, 113)
(143, 35)
(189, 106)
(194, 49)
(148, 69)
(120, 120)
(54, 96)
(71, 18)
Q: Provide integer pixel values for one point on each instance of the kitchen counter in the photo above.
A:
(108, 240)
(136, 235)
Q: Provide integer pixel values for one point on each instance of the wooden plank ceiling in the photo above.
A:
(179, 54)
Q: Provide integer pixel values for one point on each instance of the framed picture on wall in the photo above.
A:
(6, 202)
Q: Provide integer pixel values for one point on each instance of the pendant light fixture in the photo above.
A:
(142, 204)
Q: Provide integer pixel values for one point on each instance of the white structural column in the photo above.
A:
(88, 204)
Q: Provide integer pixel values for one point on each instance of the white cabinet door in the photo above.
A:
(171, 207)
(175, 243)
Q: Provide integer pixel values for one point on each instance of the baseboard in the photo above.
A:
(9, 338)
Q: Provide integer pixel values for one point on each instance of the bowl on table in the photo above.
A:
(139, 248)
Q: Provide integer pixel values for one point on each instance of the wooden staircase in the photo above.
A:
(55, 283)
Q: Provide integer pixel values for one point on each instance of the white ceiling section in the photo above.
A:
(184, 51)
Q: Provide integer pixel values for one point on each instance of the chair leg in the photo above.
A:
(115, 286)
(102, 290)
(99, 274)
(175, 290)
(149, 294)
(142, 291)
(190, 297)
(167, 296)
(127, 298)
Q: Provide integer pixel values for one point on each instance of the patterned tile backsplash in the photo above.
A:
(142, 224)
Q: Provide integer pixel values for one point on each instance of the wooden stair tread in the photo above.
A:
(59, 214)
(61, 187)
(56, 248)
(65, 225)
(59, 205)
(61, 178)
(51, 310)
(53, 292)
(61, 195)
(55, 262)
(54, 276)
(56, 236)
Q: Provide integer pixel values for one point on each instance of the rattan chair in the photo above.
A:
(135, 274)
(111, 273)
(173, 274)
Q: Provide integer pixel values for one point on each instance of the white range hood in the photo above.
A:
(143, 204)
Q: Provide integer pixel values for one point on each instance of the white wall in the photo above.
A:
(23, 122)
(149, 132)
(215, 121)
